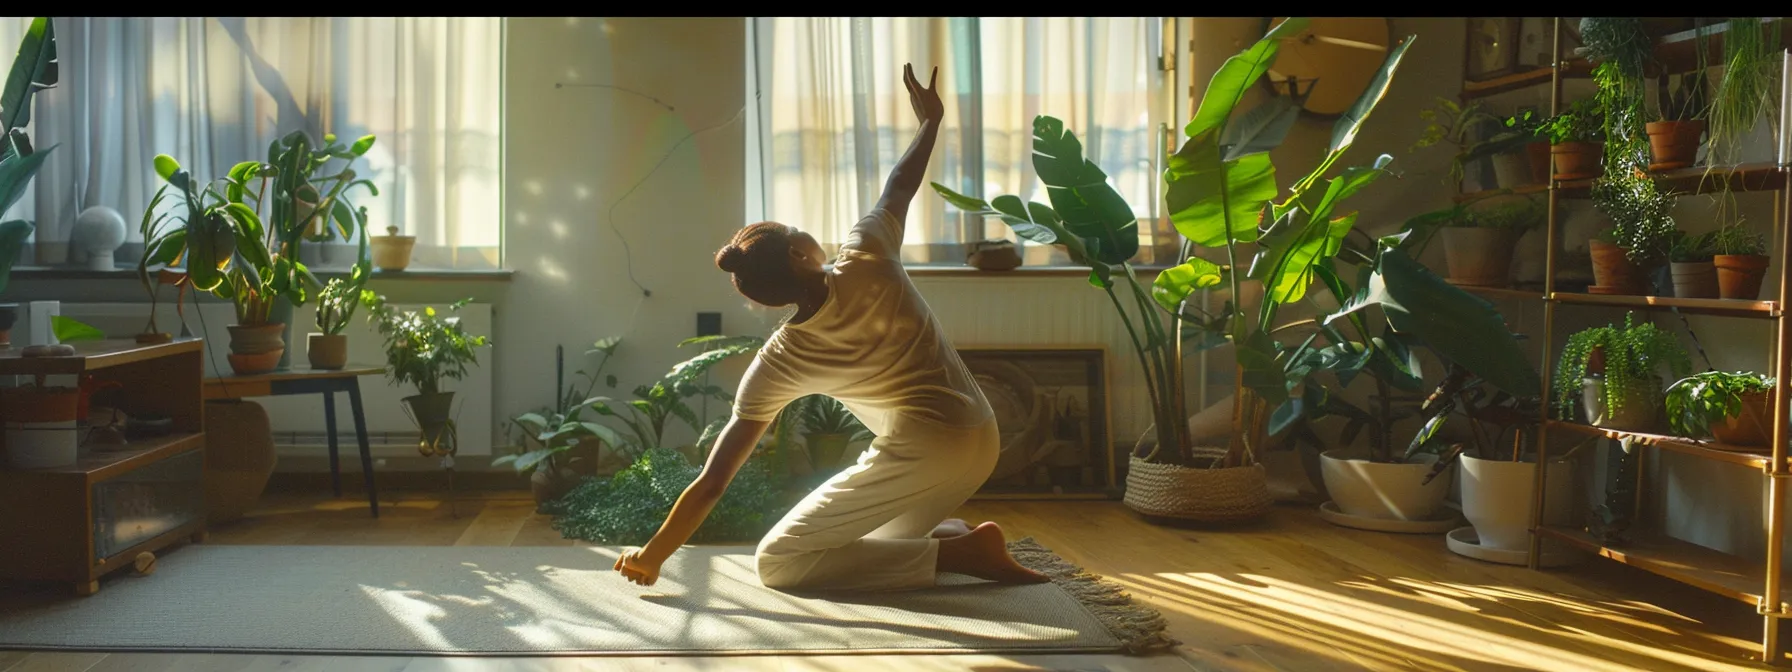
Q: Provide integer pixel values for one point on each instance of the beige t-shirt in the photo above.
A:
(874, 345)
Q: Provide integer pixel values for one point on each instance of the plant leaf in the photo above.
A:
(69, 330)
(1261, 129)
(1237, 75)
(1173, 285)
(1208, 197)
(1085, 203)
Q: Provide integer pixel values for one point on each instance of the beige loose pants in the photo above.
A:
(867, 528)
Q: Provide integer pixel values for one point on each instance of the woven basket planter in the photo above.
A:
(1220, 495)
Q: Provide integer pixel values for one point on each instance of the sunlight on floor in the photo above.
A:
(1403, 621)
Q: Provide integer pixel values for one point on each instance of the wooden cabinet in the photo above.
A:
(81, 522)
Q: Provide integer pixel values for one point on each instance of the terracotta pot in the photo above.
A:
(1673, 144)
(1615, 272)
(256, 348)
(1739, 275)
(1479, 257)
(1578, 160)
(1538, 154)
(548, 485)
(327, 351)
(255, 339)
(1694, 279)
(1751, 428)
(392, 252)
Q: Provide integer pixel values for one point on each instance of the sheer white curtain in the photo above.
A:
(212, 92)
(832, 116)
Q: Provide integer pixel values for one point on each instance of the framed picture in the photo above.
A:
(1491, 48)
(1051, 406)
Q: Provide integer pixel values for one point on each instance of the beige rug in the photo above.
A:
(555, 600)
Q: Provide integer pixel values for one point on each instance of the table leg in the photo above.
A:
(330, 430)
(354, 402)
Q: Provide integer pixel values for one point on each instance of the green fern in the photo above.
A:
(1633, 355)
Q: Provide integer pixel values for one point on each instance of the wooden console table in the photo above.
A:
(313, 381)
(80, 522)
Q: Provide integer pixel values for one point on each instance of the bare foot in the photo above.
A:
(983, 553)
(951, 527)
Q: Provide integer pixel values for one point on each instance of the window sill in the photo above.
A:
(127, 273)
(956, 271)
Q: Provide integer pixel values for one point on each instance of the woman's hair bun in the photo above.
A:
(730, 258)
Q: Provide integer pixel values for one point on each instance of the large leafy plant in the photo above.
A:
(548, 432)
(1221, 188)
(34, 69)
(425, 348)
(655, 406)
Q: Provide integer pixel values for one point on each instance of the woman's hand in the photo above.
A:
(637, 569)
(926, 101)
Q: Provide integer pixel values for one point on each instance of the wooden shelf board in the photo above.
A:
(1719, 307)
(99, 466)
(1696, 180)
(1688, 563)
(1510, 293)
(92, 355)
(1705, 449)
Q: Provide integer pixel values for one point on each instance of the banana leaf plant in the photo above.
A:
(1221, 186)
(33, 70)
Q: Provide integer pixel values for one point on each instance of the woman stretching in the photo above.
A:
(863, 335)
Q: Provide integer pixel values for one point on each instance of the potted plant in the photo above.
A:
(1627, 255)
(1615, 374)
(1530, 128)
(392, 252)
(828, 428)
(327, 349)
(424, 350)
(33, 70)
(1453, 123)
(1734, 408)
(1741, 261)
(547, 438)
(646, 416)
(1749, 90)
(1577, 141)
(1219, 183)
(1690, 260)
(1479, 244)
(1674, 139)
(304, 194)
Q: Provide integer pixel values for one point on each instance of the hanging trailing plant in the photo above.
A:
(1623, 50)
(1747, 92)
(1629, 356)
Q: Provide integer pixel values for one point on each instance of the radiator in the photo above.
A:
(298, 421)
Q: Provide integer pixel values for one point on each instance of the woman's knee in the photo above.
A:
(776, 571)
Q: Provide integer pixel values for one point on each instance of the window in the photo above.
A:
(833, 118)
(213, 92)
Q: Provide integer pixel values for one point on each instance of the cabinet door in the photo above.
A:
(138, 506)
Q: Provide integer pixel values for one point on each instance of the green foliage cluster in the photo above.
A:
(628, 508)
(1632, 355)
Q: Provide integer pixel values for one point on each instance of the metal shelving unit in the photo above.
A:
(1722, 573)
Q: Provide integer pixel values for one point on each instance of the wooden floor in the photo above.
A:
(1292, 594)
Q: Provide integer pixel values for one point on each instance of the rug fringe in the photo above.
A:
(1139, 628)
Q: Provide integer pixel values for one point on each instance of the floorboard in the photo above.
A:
(1291, 593)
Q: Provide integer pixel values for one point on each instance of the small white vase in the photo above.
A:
(1389, 491)
(98, 233)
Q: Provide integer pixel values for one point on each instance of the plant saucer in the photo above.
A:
(1443, 521)
(1464, 542)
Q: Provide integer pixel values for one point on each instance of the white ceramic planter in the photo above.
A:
(1386, 491)
(1639, 413)
(1496, 499)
